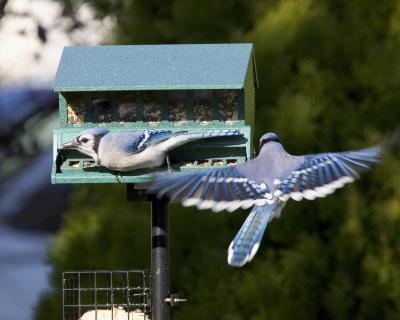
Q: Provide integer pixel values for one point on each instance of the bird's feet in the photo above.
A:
(118, 176)
(169, 167)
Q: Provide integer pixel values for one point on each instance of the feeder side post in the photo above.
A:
(159, 259)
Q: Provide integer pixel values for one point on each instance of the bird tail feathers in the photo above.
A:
(186, 137)
(214, 133)
(244, 246)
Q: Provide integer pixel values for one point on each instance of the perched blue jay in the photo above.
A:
(130, 150)
(264, 183)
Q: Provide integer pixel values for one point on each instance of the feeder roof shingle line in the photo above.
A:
(153, 67)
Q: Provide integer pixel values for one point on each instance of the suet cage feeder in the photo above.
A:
(118, 294)
(136, 87)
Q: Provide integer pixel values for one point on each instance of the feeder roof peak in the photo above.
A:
(153, 67)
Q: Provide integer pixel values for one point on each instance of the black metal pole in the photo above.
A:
(159, 259)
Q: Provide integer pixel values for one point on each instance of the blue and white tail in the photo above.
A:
(247, 241)
(214, 133)
(197, 135)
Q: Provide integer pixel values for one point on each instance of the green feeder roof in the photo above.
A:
(154, 67)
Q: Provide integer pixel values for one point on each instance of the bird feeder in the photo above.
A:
(173, 87)
(137, 87)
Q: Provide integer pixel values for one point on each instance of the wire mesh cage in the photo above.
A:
(107, 295)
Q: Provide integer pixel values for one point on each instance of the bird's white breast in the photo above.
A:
(118, 160)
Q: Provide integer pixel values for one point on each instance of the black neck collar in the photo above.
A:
(96, 143)
(268, 140)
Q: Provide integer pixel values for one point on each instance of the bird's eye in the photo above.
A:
(84, 140)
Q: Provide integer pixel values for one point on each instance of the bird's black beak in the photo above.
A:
(69, 145)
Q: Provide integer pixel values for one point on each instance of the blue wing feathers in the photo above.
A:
(152, 137)
(328, 170)
(224, 184)
(167, 187)
(182, 188)
(206, 187)
(195, 187)
(136, 142)
(132, 145)
(323, 169)
(216, 191)
(155, 137)
(226, 192)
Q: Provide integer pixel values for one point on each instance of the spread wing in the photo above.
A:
(321, 174)
(229, 189)
(216, 189)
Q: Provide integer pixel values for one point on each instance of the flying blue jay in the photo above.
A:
(130, 150)
(264, 183)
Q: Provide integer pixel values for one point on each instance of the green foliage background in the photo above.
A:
(330, 80)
